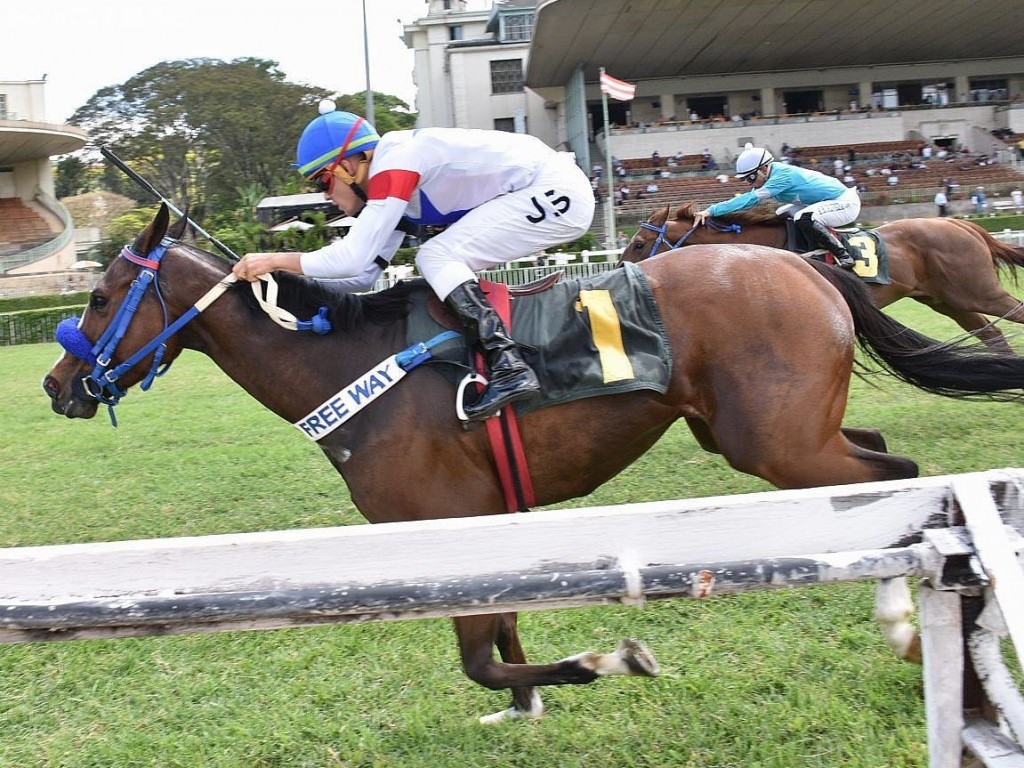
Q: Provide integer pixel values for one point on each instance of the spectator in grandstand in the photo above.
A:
(814, 200)
(979, 201)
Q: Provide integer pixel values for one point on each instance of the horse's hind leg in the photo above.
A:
(478, 635)
(974, 323)
(871, 439)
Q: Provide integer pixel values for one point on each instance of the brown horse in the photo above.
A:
(950, 265)
(746, 376)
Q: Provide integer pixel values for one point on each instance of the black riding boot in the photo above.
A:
(822, 235)
(509, 376)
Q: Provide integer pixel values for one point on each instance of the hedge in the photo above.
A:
(33, 326)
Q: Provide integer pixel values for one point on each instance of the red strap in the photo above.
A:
(503, 430)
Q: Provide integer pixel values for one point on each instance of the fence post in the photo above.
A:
(942, 648)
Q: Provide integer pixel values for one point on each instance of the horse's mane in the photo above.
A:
(303, 297)
(750, 218)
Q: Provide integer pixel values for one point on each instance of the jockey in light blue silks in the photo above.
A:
(814, 200)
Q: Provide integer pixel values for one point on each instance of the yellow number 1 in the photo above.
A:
(607, 334)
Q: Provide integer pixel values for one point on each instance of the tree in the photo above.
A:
(390, 112)
(201, 129)
(71, 177)
(214, 136)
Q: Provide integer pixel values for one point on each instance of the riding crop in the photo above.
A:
(109, 154)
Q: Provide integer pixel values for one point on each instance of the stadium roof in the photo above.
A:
(644, 39)
(22, 140)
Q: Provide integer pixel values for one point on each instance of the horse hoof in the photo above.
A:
(639, 660)
(535, 712)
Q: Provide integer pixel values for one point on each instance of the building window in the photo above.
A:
(3, 106)
(516, 27)
(989, 90)
(455, 32)
(505, 124)
(507, 76)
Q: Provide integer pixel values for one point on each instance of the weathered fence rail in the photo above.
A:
(960, 534)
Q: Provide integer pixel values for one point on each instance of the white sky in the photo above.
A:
(84, 45)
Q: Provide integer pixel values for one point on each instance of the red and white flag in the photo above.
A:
(617, 89)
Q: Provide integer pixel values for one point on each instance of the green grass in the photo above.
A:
(773, 680)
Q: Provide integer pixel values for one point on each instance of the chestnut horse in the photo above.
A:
(746, 376)
(950, 265)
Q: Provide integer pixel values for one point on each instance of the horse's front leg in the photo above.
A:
(478, 636)
(894, 609)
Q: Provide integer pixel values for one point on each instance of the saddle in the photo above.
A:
(592, 336)
(871, 258)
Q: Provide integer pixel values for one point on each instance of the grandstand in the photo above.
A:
(872, 165)
(21, 227)
(36, 231)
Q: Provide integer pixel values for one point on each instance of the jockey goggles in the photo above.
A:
(324, 179)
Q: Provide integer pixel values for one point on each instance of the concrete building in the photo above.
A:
(714, 75)
(36, 231)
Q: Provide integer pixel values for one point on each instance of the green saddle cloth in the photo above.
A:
(598, 335)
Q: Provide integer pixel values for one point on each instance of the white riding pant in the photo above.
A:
(832, 213)
(558, 207)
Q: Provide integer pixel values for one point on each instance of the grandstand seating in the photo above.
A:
(918, 178)
(874, 150)
(21, 227)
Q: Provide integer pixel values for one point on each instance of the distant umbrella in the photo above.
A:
(284, 226)
(85, 265)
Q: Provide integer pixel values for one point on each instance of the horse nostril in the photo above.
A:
(51, 387)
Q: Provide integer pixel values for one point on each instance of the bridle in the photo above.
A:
(101, 383)
(663, 239)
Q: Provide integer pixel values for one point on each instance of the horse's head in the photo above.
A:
(106, 350)
(666, 231)
(661, 233)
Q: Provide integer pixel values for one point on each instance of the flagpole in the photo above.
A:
(611, 233)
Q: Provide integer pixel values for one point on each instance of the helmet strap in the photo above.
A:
(357, 181)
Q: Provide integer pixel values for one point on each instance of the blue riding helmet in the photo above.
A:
(330, 134)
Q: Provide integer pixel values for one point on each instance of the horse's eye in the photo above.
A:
(97, 301)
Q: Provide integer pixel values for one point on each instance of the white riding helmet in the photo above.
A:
(752, 158)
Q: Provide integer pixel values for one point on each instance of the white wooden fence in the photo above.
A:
(960, 534)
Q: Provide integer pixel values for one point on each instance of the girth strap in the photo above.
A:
(503, 429)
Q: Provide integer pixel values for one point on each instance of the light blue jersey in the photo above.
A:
(787, 184)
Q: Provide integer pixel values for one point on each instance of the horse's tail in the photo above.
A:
(961, 368)
(1004, 255)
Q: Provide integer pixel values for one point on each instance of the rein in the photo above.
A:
(663, 238)
(100, 384)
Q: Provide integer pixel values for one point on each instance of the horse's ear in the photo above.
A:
(151, 236)
(177, 229)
